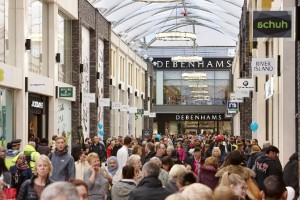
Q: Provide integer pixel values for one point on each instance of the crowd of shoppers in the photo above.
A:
(205, 166)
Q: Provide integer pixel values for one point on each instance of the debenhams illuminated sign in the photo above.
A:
(199, 117)
(205, 64)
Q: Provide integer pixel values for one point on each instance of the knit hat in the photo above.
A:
(255, 148)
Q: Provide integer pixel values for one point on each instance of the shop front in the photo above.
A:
(38, 116)
(192, 123)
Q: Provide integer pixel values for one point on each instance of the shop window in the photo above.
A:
(6, 116)
(64, 49)
(38, 34)
(7, 32)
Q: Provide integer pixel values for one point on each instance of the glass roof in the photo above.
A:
(216, 22)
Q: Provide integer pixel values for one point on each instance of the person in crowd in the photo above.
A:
(99, 148)
(255, 142)
(187, 179)
(225, 193)
(197, 191)
(251, 160)
(52, 143)
(150, 187)
(181, 152)
(216, 152)
(167, 163)
(43, 147)
(160, 150)
(109, 149)
(60, 191)
(122, 189)
(13, 150)
(135, 161)
(175, 176)
(208, 172)
(122, 154)
(274, 188)
(219, 143)
(137, 149)
(163, 174)
(247, 149)
(117, 146)
(266, 166)
(32, 188)
(150, 151)
(97, 183)
(20, 172)
(63, 163)
(81, 166)
(81, 188)
(30, 154)
(76, 150)
(234, 166)
(195, 162)
(236, 183)
(144, 154)
(173, 154)
(5, 176)
(290, 173)
(87, 144)
(111, 169)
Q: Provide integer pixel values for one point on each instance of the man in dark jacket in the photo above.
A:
(290, 173)
(62, 161)
(98, 148)
(149, 149)
(266, 166)
(150, 187)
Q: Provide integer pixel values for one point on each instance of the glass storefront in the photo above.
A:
(6, 116)
(64, 49)
(38, 34)
(7, 30)
(193, 87)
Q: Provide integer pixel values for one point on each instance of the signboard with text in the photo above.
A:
(245, 84)
(65, 92)
(263, 66)
(272, 24)
(205, 64)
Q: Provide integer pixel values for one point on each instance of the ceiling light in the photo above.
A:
(198, 86)
(186, 59)
(157, 1)
(176, 36)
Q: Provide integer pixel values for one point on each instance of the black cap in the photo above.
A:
(16, 142)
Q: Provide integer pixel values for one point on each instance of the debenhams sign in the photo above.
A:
(206, 63)
(199, 117)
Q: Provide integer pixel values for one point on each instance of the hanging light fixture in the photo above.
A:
(176, 36)
(186, 58)
(157, 1)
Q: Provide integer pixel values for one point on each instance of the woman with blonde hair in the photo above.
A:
(32, 189)
(175, 175)
(236, 183)
(216, 152)
(97, 183)
(225, 193)
(197, 191)
(208, 172)
(135, 161)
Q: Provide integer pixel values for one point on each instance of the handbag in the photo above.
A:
(9, 194)
(253, 189)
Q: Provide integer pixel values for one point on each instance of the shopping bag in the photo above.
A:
(9, 194)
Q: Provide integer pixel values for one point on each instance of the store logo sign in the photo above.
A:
(263, 66)
(272, 24)
(245, 84)
(37, 104)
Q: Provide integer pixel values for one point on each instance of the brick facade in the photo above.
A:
(245, 71)
(99, 28)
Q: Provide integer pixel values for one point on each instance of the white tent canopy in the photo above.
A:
(215, 22)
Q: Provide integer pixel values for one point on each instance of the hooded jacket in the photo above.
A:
(207, 176)
(121, 190)
(264, 167)
(244, 172)
(149, 188)
(290, 173)
(29, 151)
(63, 166)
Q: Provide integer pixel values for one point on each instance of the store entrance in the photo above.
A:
(37, 116)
